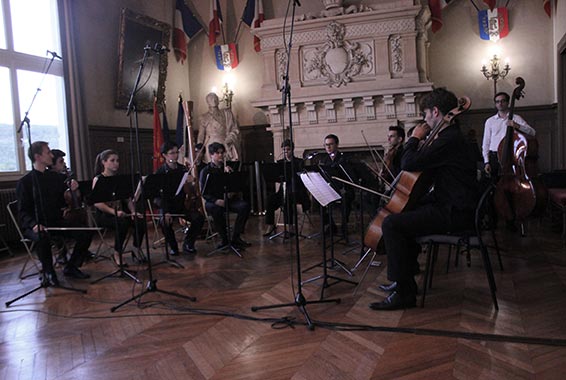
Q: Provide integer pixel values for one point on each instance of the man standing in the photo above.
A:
(40, 205)
(449, 207)
(495, 130)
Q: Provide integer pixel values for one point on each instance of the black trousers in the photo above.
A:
(43, 245)
(194, 217)
(494, 164)
(276, 200)
(123, 224)
(242, 210)
(401, 230)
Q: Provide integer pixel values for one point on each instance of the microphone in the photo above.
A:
(54, 54)
(310, 156)
(160, 49)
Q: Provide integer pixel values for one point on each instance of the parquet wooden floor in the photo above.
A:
(55, 334)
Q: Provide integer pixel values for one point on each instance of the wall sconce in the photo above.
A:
(227, 95)
(494, 72)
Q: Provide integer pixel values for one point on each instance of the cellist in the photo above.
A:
(449, 207)
(176, 204)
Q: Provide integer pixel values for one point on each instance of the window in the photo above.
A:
(25, 85)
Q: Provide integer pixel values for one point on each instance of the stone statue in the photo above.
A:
(219, 125)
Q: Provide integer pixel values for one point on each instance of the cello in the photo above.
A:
(515, 196)
(408, 187)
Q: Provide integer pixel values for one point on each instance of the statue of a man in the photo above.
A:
(219, 125)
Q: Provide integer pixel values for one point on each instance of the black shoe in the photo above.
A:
(270, 230)
(395, 302)
(173, 252)
(388, 287)
(189, 248)
(74, 272)
(49, 279)
(238, 242)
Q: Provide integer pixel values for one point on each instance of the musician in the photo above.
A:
(214, 197)
(395, 138)
(276, 200)
(59, 164)
(111, 214)
(449, 207)
(495, 130)
(335, 163)
(40, 205)
(172, 204)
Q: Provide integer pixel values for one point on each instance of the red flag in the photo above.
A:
(157, 137)
(547, 4)
(215, 21)
(490, 3)
(436, 13)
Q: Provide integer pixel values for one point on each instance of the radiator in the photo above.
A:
(9, 232)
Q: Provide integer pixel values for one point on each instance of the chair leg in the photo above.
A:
(435, 248)
(449, 257)
(497, 249)
(427, 271)
(490, 277)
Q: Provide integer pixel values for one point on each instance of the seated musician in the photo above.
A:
(449, 207)
(276, 200)
(40, 205)
(171, 204)
(112, 214)
(214, 197)
(336, 164)
(395, 138)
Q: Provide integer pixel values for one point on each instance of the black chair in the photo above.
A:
(484, 223)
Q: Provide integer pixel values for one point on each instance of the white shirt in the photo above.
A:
(494, 132)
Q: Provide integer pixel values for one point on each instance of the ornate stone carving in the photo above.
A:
(330, 111)
(281, 64)
(349, 109)
(369, 107)
(338, 60)
(396, 54)
(311, 111)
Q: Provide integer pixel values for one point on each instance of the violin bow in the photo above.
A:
(374, 153)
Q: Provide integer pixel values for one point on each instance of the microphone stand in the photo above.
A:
(299, 300)
(36, 193)
(151, 283)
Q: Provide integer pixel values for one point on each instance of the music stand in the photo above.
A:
(325, 195)
(112, 189)
(225, 183)
(164, 185)
(275, 172)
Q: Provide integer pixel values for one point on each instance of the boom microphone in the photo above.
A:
(54, 54)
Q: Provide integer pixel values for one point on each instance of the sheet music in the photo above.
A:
(183, 180)
(319, 188)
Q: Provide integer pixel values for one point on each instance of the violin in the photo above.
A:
(74, 213)
(193, 197)
(409, 187)
(515, 196)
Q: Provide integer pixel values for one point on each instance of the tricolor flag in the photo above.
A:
(157, 137)
(226, 56)
(165, 126)
(215, 21)
(253, 17)
(494, 24)
(547, 4)
(436, 7)
(186, 27)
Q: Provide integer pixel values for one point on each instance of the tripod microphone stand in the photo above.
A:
(299, 301)
(151, 286)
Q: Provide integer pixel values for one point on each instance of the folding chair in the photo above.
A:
(12, 208)
(4, 245)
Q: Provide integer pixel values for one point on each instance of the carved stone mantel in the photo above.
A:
(348, 73)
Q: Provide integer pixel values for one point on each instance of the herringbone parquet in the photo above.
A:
(55, 334)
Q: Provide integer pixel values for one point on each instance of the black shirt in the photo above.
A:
(210, 193)
(449, 165)
(169, 202)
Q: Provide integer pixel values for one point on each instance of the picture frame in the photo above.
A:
(137, 34)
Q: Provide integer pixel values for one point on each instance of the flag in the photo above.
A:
(436, 7)
(186, 27)
(215, 21)
(226, 56)
(180, 131)
(494, 24)
(157, 137)
(490, 3)
(547, 4)
(165, 127)
(253, 16)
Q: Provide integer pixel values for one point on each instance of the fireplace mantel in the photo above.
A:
(348, 73)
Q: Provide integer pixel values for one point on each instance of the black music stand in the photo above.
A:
(325, 195)
(112, 189)
(225, 183)
(164, 185)
(275, 172)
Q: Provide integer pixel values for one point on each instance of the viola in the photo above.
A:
(74, 213)
(409, 187)
(193, 197)
(515, 197)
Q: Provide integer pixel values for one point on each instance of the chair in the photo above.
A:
(3, 245)
(484, 223)
(12, 208)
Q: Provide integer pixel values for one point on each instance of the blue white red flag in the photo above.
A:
(215, 22)
(186, 27)
(253, 17)
(226, 56)
(494, 24)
